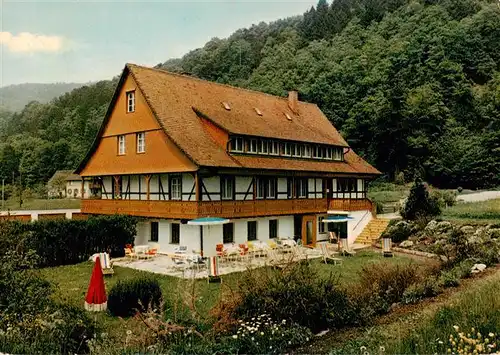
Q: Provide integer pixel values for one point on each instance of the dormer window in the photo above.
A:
(337, 154)
(307, 151)
(130, 101)
(263, 147)
(328, 153)
(252, 146)
(237, 144)
(274, 148)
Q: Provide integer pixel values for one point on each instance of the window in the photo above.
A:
(273, 228)
(271, 188)
(237, 144)
(252, 146)
(337, 153)
(175, 233)
(321, 225)
(175, 188)
(227, 187)
(274, 148)
(261, 188)
(121, 145)
(141, 142)
(328, 153)
(318, 152)
(266, 188)
(263, 147)
(251, 230)
(307, 151)
(301, 188)
(346, 185)
(286, 149)
(154, 232)
(130, 101)
(289, 188)
(228, 233)
(295, 150)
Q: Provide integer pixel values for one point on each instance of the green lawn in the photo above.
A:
(72, 282)
(42, 204)
(487, 211)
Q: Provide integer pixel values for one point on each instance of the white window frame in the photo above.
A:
(274, 148)
(307, 151)
(227, 188)
(328, 153)
(263, 147)
(130, 101)
(287, 150)
(121, 145)
(252, 149)
(271, 192)
(141, 142)
(176, 187)
(295, 150)
(302, 188)
(237, 144)
(337, 154)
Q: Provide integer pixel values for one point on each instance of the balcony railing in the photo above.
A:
(227, 209)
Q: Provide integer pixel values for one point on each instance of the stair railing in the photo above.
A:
(362, 218)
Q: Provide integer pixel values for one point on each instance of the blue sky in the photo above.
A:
(81, 41)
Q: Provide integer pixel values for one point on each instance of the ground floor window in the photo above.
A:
(228, 233)
(340, 229)
(175, 233)
(273, 228)
(154, 232)
(252, 230)
(326, 227)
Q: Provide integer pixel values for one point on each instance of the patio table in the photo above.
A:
(288, 242)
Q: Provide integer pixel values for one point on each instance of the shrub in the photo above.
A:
(419, 204)
(296, 294)
(398, 232)
(129, 296)
(449, 278)
(62, 242)
(429, 287)
(30, 322)
(384, 284)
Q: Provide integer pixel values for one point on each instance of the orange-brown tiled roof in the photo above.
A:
(174, 98)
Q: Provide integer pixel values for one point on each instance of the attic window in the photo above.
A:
(226, 106)
(288, 117)
(259, 112)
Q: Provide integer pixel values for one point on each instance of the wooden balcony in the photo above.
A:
(227, 209)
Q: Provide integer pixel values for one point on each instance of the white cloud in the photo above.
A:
(26, 42)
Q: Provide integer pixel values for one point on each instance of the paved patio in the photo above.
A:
(163, 264)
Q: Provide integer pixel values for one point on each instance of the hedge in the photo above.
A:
(64, 242)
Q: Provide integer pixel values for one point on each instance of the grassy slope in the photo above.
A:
(474, 211)
(418, 328)
(72, 282)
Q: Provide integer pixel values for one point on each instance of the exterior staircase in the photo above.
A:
(372, 231)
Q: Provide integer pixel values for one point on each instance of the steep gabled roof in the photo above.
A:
(177, 101)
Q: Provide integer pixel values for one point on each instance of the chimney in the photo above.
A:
(293, 101)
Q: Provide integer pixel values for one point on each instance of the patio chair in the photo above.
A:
(386, 247)
(327, 257)
(106, 264)
(219, 248)
(213, 270)
(151, 253)
(344, 247)
(243, 251)
(332, 237)
(129, 252)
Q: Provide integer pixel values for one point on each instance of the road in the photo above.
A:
(479, 196)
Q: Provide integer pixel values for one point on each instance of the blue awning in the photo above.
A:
(207, 221)
(337, 219)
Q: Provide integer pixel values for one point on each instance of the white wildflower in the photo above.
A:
(129, 332)
(491, 335)
(235, 336)
(456, 327)
(261, 333)
(363, 348)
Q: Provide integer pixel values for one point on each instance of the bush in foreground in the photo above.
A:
(129, 296)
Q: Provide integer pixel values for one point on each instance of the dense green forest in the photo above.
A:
(15, 97)
(414, 86)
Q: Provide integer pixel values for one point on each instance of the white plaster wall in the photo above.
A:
(282, 187)
(143, 232)
(190, 237)
(153, 187)
(242, 184)
(212, 235)
(352, 233)
(134, 187)
(285, 227)
(187, 186)
(164, 237)
(106, 181)
(212, 185)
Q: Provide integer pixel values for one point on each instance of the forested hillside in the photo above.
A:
(413, 85)
(15, 97)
